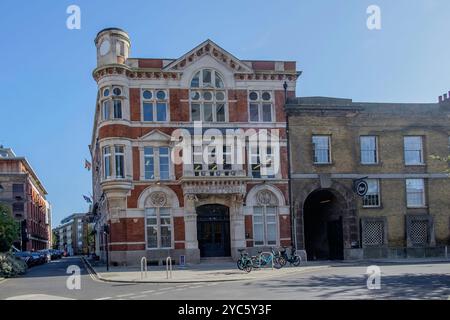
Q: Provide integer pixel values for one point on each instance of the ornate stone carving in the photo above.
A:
(266, 198)
(157, 199)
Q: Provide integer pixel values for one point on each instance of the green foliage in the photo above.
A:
(442, 159)
(9, 228)
(11, 266)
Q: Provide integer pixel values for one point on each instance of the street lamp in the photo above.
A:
(106, 233)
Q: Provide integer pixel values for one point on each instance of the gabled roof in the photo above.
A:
(210, 48)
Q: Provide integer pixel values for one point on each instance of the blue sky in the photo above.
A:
(48, 97)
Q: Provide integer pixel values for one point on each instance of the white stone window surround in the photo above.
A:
(155, 139)
(279, 200)
(260, 102)
(171, 201)
(201, 89)
(275, 153)
(128, 160)
(154, 100)
(124, 97)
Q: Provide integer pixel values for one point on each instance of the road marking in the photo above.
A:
(148, 291)
(182, 286)
(38, 297)
(157, 293)
(162, 289)
(124, 295)
(212, 284)
(195, 287)
(180, 289)
(104, 298)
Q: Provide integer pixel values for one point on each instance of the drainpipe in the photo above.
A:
(291, 205)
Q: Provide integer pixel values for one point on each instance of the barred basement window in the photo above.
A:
(373, 233)
(418, 232)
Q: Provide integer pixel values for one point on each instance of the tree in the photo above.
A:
(9, 228)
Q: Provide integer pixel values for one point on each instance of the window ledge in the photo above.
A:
(417, 207)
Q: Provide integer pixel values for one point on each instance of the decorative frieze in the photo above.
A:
(214, 187)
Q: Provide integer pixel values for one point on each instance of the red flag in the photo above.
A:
(87, 165)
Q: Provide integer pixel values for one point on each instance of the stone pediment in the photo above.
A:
(212, 49)
(156, 136)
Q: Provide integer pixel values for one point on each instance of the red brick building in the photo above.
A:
(23, 192)
(155, 206)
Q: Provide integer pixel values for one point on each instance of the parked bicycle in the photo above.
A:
(294, 259)
(244, 262)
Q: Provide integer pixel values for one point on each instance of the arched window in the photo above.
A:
(265, 219)
(208, 97)
(159, 222)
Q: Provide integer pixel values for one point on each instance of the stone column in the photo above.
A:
(237, 225)
(190, 229)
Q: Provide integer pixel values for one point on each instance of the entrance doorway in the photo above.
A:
(323, 226)
(213, 230)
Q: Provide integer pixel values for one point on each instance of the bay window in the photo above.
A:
(114, 162)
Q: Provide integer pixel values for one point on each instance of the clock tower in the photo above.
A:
(113, 46)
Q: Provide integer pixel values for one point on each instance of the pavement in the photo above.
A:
(198, 273)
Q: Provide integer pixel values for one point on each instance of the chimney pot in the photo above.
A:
(445, 97)
(440, 99)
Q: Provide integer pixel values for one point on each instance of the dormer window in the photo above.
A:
(208, 97)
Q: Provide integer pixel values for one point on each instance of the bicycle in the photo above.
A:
(244, 262)
(294, 259)
(263, 260)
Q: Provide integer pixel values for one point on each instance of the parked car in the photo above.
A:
(47, 254)
(55, 254)
(25, 256)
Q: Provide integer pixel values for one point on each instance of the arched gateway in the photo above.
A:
(329, 222)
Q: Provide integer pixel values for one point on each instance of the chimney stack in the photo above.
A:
(445, 99)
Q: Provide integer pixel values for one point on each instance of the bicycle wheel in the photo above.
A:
(279, 262)
(283, 261)
(240, 264)
(296, 261)
(248, 266)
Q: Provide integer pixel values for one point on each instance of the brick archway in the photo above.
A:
(348, 209)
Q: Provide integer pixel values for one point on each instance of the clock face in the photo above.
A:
(105, 47)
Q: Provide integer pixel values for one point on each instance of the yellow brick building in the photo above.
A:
(336, 142)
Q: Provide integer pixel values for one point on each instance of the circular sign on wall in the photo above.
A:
(361, 188)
